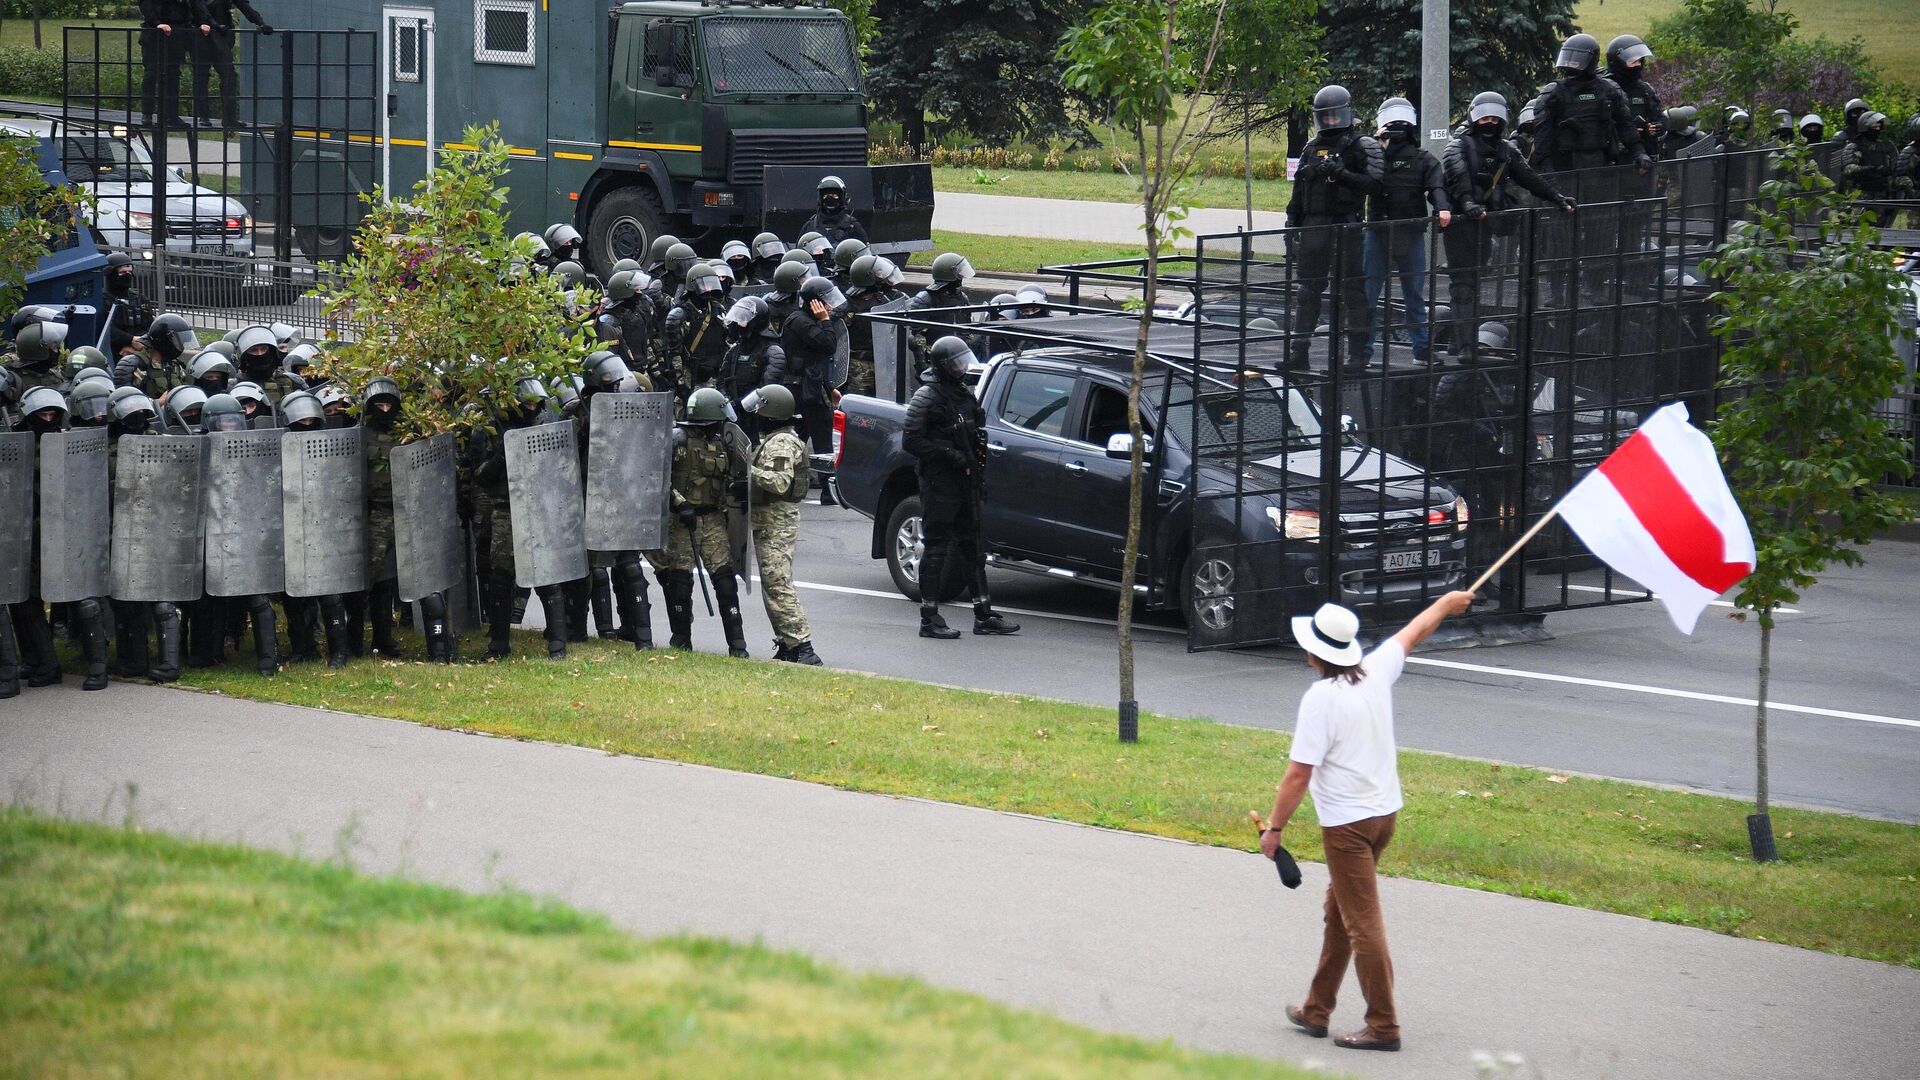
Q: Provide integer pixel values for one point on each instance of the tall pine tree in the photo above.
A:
(983, 66)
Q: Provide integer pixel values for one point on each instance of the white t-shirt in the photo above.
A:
(1345, 731)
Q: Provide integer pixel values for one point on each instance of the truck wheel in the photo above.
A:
(906, 546)
(1208, 596)
(623, 226)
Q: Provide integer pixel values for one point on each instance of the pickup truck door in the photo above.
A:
(1027, 412)
(1092, 495)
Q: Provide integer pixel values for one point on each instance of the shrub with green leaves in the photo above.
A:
(438, 297)
(34, 216)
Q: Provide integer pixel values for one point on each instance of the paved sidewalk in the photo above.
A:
(1121, 932)
(1075, 219)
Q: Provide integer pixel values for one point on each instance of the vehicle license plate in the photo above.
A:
(1410, 560)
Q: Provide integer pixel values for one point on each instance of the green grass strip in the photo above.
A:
(1025, 254)
(1220, 192)
(1844, 884)
(129, 954)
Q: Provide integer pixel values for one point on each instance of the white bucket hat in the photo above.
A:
(1329, 634)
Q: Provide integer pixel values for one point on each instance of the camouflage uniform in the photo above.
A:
(153, 375)
(779, 478)
(380, 550)
(703, 467)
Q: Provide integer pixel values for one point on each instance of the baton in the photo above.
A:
(106, 327)
(699, 569)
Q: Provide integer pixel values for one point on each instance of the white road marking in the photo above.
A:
(1485, 669)
(1637, 594)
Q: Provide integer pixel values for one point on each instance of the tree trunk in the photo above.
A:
(36, 24)
(1130, 554)
(1760, 823)
(1246, 151)
(913, 130)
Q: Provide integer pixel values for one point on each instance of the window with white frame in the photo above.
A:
(406, 50)
(503, 32)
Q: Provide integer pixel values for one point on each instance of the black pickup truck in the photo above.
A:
(1231, 547)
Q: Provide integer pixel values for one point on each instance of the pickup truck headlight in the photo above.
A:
(1460, 514)
(138, 220)
(1295, 524)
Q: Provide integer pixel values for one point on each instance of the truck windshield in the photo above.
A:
(748, 55)
(1261, 416)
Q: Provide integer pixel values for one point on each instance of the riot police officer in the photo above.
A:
(1813, 130)
(1866, 164)
(210, 614)
(784, 297)
(1481, 170)
(1338, 170)
(946, 290)
(656, 260)
(1397, 237)
(1627, 60)
(379, 413)
(487, 457)
(739, 259)
(44, 411)
(809, 337)
(673, 276)
(156, 360)
(1736, 129)
(768, 250)
(129, 312)
(39, 345)
(832, 217)
(211, 371)
(181, 410)
(213, 53)
(133, 413)
(1586, 121)
(1782, 131)
(1906, 169)
(302, 411)
(866, 291)
(945, 434)
(709, 457)
(753, 348)
(846, 253)
(820, 249)
(635, 320)
(1850, 126)
(565, 243)
(625, 587)
(778, 475)
(1682, 131)
(695, 337)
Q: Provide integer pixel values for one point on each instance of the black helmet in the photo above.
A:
(768, 246)
(42, 399)
(833, 193)
(602, 371)
(40, 343)
(706, 406)
(773, 403)
(703, 282)
(848, 250)
(184, 408)
(1626, 53)
(1578, 55)
(952, 358)
(831, 183)
(89, 401)
(1488, 105)
(223, 412)
(171, 336)
(1332, 109)
(823, 290)
(118, 259)
(789, 276)
(747, 316)
(680, 259)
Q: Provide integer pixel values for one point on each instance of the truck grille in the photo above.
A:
(752, 151)
(204, 227)
(1395, 528)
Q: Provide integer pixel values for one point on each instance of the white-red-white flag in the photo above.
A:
(1659, 511)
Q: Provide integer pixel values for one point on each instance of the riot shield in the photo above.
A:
(75, 524)
(842, 354)
(323, 482)
(740, 518)
(16, 524)
(548, 506)
(246, 530)
(428, 545)
(158, 552)
(890, 379)
(629, 471)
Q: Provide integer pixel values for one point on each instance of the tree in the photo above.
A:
(438, 297)
(1269, 64)
(1145, 64)
(1373, 47)
(1809, 325)
(984, 66)
(1738, 52)
(34, 215)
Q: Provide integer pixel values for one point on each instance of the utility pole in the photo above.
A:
(1436, 59)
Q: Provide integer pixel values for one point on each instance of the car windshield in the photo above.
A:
(1256, 416)
(747, 55)
(103, 159)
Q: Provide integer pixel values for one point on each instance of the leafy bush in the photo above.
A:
(25, 70)
(52, 11)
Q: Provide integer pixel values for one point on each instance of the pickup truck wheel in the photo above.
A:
(623, 226)
(906, 546)
(1208, 597)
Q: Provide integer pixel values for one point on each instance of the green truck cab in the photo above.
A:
(705, 119)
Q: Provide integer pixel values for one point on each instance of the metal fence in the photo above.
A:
(229, 292)
(225, 145)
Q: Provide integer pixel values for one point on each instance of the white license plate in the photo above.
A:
(212, 249)
(1410, 560)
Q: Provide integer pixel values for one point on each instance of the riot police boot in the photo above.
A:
(636, 613)
(234, 625)
(520, 605)
(933, 626)
(301, 645)
(553, 599)
(166, 636)
(803, 654)
(500, 621)
(726, 596)
(677, 586)
(90, 617)
(129, 640)
(206, 628)
(439, 634)
(39, 664)
(1297, 356)
(380, 617)
(354, 605)
(266, 639)
(781, 651)
(333, 610)
(988, 622)
(9, 660)
(601, 583)
(577, 595)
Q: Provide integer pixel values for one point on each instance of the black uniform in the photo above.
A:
(835, 225)
(944, 434)
(132, 313)
(1337, 172)
(162, 53)
(696, 339)
(1397, 241)
(862, 299)
(1586, 122)
(213, 53)
(1480, 173)
(808, 344)
(1649, 118)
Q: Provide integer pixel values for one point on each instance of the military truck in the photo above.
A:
(704, 119)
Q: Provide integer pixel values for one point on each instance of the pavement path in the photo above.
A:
(1076, 219)
(1121, 932)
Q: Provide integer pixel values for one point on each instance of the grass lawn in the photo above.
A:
(19, 31)
(1025, 254)
(1214, 191)
(1844, 885)
(129, 954)
(1887, 28)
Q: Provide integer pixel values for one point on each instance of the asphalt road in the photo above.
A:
(1123, 932)
(1848, 649)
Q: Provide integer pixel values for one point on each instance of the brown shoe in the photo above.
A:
(1365, 1039)
(1318, 1031)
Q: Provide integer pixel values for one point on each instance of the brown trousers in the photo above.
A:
(1354, 928)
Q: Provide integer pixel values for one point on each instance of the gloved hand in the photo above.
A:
(1566, 204)
(1642, 164)
(687, 514)
(1474, 212)
(265, 29)
(737, 491)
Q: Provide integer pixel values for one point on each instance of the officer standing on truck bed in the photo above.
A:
(1337, 173)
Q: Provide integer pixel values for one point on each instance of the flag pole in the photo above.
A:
(1517, 545)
